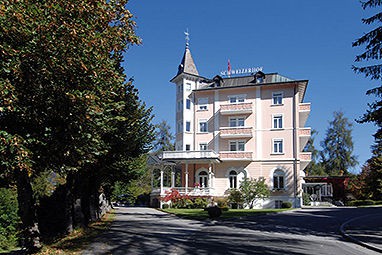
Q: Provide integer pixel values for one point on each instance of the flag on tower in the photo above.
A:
(229, 68)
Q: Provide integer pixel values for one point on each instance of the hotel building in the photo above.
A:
(228, 129)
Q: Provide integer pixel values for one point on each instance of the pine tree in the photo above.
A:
(315, 167)
(372, 41)
(337, 154)
(164, 137)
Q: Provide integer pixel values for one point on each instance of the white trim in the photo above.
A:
(282, 98)
(238, 96)
(202, 121)
(273, 152)
(273, 121)
(272, 172)
(237, 145)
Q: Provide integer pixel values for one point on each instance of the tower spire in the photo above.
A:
(187, 34)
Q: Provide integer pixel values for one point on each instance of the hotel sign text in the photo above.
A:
(241, 71)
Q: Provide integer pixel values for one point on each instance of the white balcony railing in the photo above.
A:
(167, 155)
(304, 135)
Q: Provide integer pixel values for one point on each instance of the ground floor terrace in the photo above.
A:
(205, 175)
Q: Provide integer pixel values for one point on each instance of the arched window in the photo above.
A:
(233, 179)
(203, 179)
(279, 179)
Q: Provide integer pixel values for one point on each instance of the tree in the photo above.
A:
(315, 167)
(65, 104)
(253, 189)
(373, 44)
(337, 154)
(164, 137)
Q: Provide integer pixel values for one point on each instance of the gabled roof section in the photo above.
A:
(187, 65)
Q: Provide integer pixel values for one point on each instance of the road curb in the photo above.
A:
(355, 240)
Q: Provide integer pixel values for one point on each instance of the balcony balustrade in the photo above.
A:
(235, 155)
(242, 108)
(236, 132)
(305, 158)
(304, 135)
(304, 110)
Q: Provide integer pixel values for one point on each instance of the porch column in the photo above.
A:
(172, 177)
(161, 180)
(186, 177)
(210, 176)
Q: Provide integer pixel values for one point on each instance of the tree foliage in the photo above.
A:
(164, 137)
(372, 43)
(315, 166)
(337, 154)
(65, 104)
(253, 189)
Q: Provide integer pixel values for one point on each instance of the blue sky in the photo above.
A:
(298, 39)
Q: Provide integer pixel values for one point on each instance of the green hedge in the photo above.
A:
(361, 202)
(9, 219)
(286, 205)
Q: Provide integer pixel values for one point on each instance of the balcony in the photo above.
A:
(305, 158)
(235, 156)
(304, 135)
(194, 156)
(243, 108)
(304, 110)
(236, 132)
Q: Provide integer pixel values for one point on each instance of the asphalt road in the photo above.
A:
(306, 231)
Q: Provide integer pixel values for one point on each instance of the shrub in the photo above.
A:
(305, 199)
(222, 202)
(200, 202)
(361, 202)
(235, 198)
(165, 206)
(286, 205)
(8, 219)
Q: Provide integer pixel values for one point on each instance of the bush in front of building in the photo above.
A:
(235, 198)
(305, 199)
(9, 219)
(286, 205)
(200, 202)
(361, 202)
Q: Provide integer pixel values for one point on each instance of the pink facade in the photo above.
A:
(250, 129)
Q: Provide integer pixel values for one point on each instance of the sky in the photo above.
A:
(297, 38)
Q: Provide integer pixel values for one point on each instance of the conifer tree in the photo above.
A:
(372, 42)
(337, 154)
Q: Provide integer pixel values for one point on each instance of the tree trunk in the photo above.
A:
(69, 201)
(27, 212)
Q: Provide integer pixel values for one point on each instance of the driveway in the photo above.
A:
(148, 231)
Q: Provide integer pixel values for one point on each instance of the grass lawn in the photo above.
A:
(200, 214)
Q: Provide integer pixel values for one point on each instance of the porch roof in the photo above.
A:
(191, 156)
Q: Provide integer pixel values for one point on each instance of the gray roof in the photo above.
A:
(187, 65)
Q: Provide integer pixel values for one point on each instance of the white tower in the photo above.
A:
(185, 81)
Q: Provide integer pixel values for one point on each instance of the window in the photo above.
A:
(278, 179)
(188, 86)
(236, 122)
(232, 179)
(188, 126)
(202, 103)
(278, 146)
(180, 105)
(236, 99)
(203, 179)
(188, 147)
(180, 127)
(203, 126)
(188, 104)
(277, 98)
(236, 145)
(203, 146)
(278, 121)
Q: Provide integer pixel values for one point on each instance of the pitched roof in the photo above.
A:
(187, 65)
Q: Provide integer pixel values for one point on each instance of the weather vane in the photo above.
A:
(187, 34)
